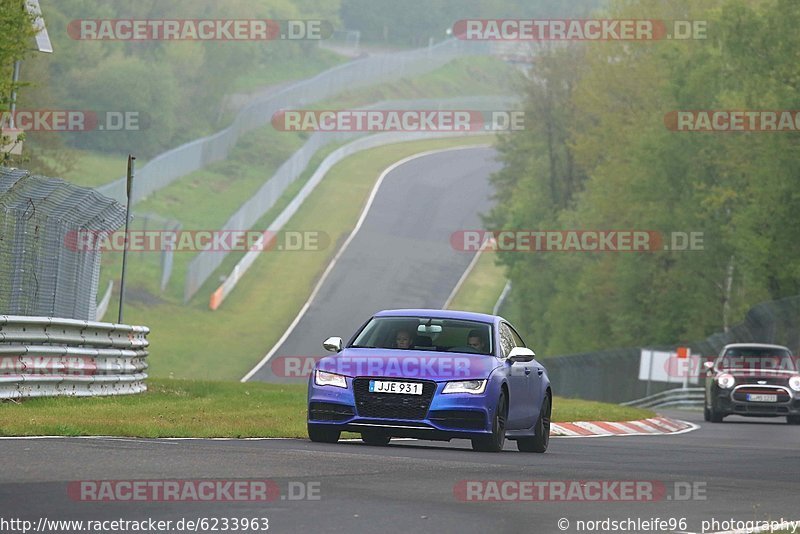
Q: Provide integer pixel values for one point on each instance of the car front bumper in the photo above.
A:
(735, 402)
(438, 417)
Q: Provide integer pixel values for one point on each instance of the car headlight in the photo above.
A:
(322, 378)
(794, 383)
(476, 387)
(726, 381)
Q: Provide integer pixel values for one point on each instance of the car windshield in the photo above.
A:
(757, 359)
(426, 333)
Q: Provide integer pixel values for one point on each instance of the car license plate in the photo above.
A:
(404, 388)
(755, 397)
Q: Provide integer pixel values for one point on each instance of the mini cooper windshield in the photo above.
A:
(757, 359)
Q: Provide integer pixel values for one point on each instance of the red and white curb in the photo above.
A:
(655, 426)
(642, 427)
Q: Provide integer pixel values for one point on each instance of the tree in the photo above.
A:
(16, 32)
(597, 154)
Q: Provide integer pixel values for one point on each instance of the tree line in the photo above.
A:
(600, 151)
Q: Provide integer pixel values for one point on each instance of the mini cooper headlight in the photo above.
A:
(794, 383)
(476, 387)
(322, 378)
(726, 381)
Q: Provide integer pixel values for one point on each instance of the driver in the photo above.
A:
(475, 340)
(403, 339)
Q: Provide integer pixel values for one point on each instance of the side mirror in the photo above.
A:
(708, 366)
(520, 354)
(333, 344)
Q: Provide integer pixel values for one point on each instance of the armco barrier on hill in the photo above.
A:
(204, 264)
(380, 68)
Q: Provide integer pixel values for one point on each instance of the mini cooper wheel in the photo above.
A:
(714, 416)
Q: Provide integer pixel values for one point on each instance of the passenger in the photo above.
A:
(475, 340)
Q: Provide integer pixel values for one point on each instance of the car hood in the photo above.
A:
(413, 364)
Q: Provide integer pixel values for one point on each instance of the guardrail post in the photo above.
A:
(131, 159)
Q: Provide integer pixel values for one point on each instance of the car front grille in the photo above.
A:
(390, 405)
(740, 395)
(328, 411)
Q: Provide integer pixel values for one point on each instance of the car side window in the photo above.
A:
(506, 339)
(517, 339)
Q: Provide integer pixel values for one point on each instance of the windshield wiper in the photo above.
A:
(362, 347)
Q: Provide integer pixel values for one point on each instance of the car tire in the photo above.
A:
(541, 440)
(375, 438)
(793, 419)
(495, 441)
(714, 416)
(321, 434)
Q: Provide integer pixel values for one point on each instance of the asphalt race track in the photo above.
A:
(402, 256)
(746, 469)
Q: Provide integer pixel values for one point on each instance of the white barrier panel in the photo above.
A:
(662, 366)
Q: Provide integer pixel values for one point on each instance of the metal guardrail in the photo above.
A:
(501, 300)
(47, 356)
(678, 397)
(614, 372)
(167, 167)
(105, 302)
(203, 265)
(363, 143)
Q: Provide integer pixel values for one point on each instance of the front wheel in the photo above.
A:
(322, 434)
(714, 416)
(540, 441)
(793, 419)
(495, 441)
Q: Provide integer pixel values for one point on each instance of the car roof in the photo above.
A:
(754, 346)
(439, 314)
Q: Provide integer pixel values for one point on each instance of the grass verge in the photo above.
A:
(482, 288)
(188, 408)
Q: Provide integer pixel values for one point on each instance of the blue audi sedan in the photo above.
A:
(434, 375)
